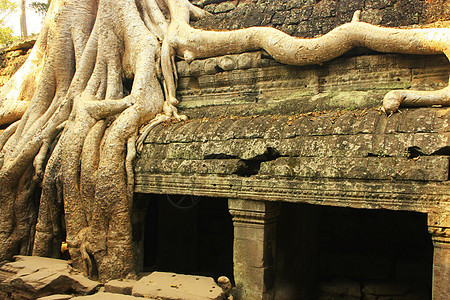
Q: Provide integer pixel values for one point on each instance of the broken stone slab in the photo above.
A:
(34, 277)
(120, 286)
(171, 286)
(106, 296)
(56, 297)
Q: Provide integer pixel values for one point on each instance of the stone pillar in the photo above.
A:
(439, 228)
(254, 252)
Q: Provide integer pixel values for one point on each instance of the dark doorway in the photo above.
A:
(188, 235)
(343, 253)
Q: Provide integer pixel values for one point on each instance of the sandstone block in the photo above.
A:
(120, 286)
(56, 297)
(171, 286)
(106, 296)
(224, 7)
(40, 276)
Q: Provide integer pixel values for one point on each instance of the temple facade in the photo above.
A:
(290, 180)
(326, 195)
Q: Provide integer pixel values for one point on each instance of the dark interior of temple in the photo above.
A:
(188, 235)
(322, 252)
(332, 252)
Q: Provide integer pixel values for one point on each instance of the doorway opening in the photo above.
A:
(344, 253)
(185, 234)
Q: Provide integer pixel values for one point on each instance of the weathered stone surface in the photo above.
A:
(184, 166)
(391, 194)
(246, 149)
(171, 286)
(378, 168)
(106, 296)
(325, 146)
(120, 286)
(308, 124)
(39, 276)
(344, 83)
(255, 285)
(441, 269)
(374, 148)
(224, 7)
(254, 247)
(310, 18)
(56, 297)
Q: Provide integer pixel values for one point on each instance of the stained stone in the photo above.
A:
(40, 276)
(120, 286)
(56, 297)
(171, 286)
(106, 296)
(224, 7)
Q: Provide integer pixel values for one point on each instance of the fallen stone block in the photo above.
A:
(56, 297)
(123, 287)
(106, 296)
(171, 286)
(35, 277)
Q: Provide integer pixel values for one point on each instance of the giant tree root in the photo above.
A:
(78, 134)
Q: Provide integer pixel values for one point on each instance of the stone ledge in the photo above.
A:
(321, 123)
(376, 194)
(369, 168)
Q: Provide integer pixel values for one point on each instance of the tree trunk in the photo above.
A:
(23, 19)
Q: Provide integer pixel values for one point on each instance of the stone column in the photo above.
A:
(439, 228)
(254, 248)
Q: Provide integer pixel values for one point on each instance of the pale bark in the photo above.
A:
(78, 126)
(23, 18)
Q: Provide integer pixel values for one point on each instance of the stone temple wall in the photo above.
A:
(295, 141)
(308, 18)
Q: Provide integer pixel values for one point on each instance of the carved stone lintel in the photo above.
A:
(253, 212)
(440, 234)
(254, 217)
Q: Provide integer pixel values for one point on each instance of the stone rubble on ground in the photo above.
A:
(171, 286)
(33, 277)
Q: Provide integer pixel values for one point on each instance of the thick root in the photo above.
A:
(394, 99)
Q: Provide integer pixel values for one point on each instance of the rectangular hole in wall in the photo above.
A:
(186, 235)
(343, 253)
